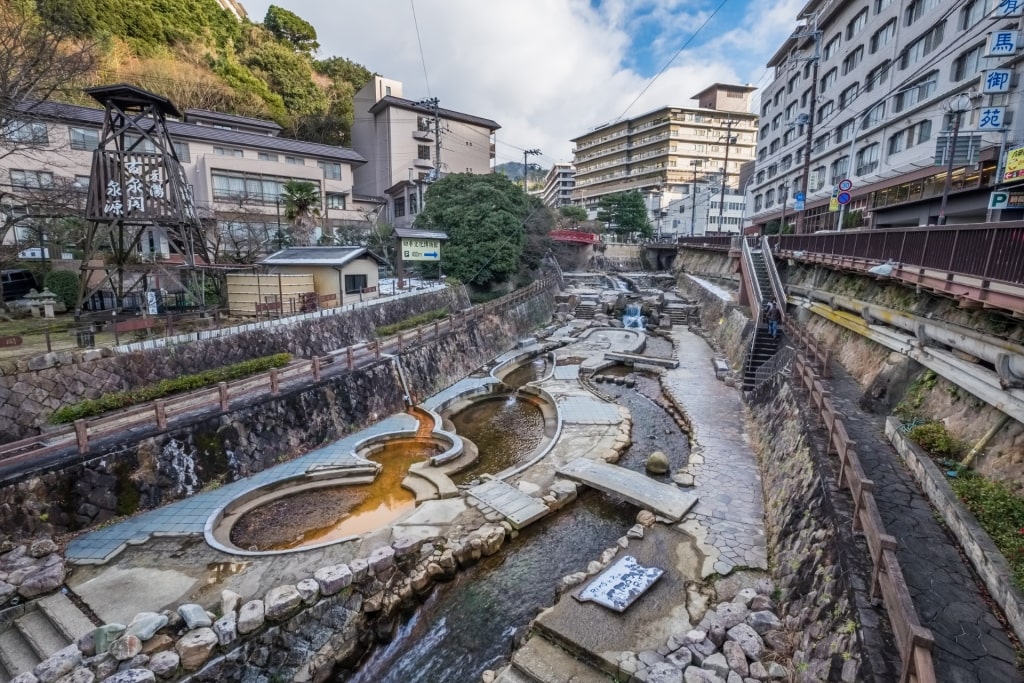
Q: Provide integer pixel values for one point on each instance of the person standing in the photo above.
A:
(774, 318)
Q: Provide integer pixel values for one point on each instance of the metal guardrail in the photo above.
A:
(914, 642)
(225, 394)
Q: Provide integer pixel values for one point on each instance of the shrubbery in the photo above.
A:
(63, 283)
(415, 321)
(125, 399)
(935, 438)
(1000, 511)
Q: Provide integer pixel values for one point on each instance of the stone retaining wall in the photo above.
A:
(31, 390)
(726, 323)
(817, 565)
(119, 478)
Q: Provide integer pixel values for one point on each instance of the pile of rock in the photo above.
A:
(737, 642)
(295, 631)
(27, 571)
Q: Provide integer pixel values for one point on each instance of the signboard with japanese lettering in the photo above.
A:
(138, 187)
(420, 249)
(1002, 43)
(1013, 167)
(1008, 8)
(991, 118)
(1002, 199)
(997, 81)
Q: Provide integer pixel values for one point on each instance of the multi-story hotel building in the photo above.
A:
(669, 150)
(237, 167)
(398, 139)
(558, 186)
(863, 91)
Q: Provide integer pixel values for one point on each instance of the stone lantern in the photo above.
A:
(42, 303)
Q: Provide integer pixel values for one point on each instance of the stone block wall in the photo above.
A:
(119, 478)
(821, 571)
(728, 324)
(31, 390)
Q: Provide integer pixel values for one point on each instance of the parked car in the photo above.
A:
(18, 283)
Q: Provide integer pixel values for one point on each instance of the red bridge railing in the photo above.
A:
(578, 236)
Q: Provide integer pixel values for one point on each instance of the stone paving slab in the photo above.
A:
(588, 410)
(971, 646)
(666, 500)
(567, 372)
(728, 520)
(189, 516)
(517, 507)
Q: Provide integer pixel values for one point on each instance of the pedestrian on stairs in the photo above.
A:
(774, 317)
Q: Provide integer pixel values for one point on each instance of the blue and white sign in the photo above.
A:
(997, 81)
(1008, 8)
(991, 118)
(1001, 43)
(798, 201)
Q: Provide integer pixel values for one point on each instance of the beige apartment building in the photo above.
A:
(670, 150)
(398, 138)
(236, 165)
(558, 186)
(865, 91)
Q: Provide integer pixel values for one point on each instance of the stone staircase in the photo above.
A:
(585, 309)
(32, 632)
(680, 314)
(541, 661)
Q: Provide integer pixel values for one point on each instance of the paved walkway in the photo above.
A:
(728, 520)
(970, 644)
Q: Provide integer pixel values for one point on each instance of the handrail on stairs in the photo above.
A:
(755, 292)
(778, 290)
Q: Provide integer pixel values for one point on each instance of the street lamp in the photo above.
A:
(957, 106)
(526, 166)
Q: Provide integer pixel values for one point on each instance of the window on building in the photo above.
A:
(776, 121)
(182, 151)
(874, 116)
(762, 154)
(423, 152)
(86, 139)
(921, 47)
(33, 179)
(881, 5)
(399, 204)
(897, 142)
(228, 152)
(831, 47)
(924, 131)
(828, 80)
(791, 111)
(825, 111)
(968, 63)
(786, 163)
(789, 136)
(354, 284)
(760, 177)
(81, 183)
(971, 14)
(774, 147)
(769, 199)
(845, 131)
(331, 169)
(792, 83)
(867, 160)
(26, 132)
(882, 36)
(295, 161)
(918, 91)
(816, 181)
(137, 143)
(877, 76)
(837, 169)
(758, 202)
(821, 142)
(266, 156)
(853, 59)
(918, 9)
(773, 170)
(765, 129)
(246, 187)
(857, 24)
(335, 200)
(849, 95)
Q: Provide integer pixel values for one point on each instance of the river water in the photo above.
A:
(471, 623)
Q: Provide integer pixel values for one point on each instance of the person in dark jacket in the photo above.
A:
(774, 318)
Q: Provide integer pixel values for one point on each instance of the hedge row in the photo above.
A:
(126, 399)
(415, 321)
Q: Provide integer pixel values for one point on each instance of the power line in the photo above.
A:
(669, 62)
(419, 41)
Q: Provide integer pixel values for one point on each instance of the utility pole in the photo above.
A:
(526, 165)
(431, 103)
(725, 169)
(810, 31)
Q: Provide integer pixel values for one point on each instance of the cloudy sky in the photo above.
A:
(550, 70)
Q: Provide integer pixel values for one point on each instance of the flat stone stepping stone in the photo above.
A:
(517, 507)
(588, 411)
(633, 358)
(633, 487)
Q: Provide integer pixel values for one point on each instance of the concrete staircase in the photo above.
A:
(763, 346)
(541, 661)
(32, 632)
(680, 314)
(585, 309)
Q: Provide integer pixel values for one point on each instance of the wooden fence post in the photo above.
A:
(82, 435)
(160, 407)
(275, 383)
(316, 368)
(376, 348)
(222, 389)
(351, 360)
(400, 348)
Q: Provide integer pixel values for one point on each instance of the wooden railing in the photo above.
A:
(226, 394)
(914, 641)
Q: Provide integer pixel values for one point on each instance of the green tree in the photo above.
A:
(301, 201)
(339, 69)
(483, 216)
(573, 213)
(291, 28)
(625, 213)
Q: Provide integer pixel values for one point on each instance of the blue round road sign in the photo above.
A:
(845, 185)
(843, 198)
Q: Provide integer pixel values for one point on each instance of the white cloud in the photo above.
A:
(546, 70)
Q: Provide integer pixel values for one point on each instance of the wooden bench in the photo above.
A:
(135, 324)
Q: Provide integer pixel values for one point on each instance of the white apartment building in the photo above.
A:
(877, 115)
(698, 214)
(558, 186)
(668, 150)
(236, 165)
(398, 139)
